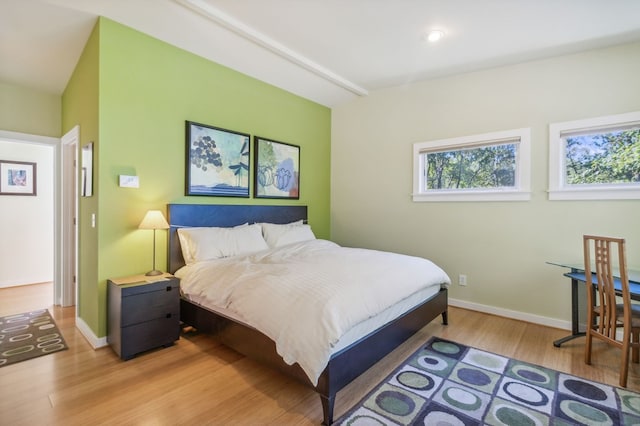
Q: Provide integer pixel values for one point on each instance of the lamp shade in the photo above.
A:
(154, 219)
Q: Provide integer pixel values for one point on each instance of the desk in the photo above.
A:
(578, 279)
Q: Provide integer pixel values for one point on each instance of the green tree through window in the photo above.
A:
(492, 166)
(611, 157)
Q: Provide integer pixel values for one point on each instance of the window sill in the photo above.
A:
(457, 196)
(608, 193)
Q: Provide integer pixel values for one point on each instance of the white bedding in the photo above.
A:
(306, 296)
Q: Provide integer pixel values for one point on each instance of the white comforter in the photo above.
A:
(306, 295)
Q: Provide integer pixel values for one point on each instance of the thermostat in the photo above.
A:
(129, 181)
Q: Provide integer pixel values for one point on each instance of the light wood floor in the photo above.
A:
(198, 381)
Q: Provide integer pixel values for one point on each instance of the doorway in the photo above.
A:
(61, 200)
(26, 222)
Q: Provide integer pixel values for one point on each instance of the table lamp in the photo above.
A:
(154, 219)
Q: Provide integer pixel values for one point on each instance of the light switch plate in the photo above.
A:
(129, 181)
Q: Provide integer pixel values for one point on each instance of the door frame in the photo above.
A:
(65, 290)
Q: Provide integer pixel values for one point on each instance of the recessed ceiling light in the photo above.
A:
(434, 35)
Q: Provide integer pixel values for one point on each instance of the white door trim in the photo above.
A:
(66, 292)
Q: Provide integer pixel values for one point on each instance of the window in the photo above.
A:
(595, 159)
(487, 167)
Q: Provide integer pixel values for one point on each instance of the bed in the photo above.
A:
(347, 360)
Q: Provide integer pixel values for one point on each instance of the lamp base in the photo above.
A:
(154, 273)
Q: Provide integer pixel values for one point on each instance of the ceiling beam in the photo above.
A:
(229, 22)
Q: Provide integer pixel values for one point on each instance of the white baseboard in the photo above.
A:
(522, 316)
(95, 341)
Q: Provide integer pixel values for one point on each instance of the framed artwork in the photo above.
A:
(17, 178)
(277, 169)
(217, 161)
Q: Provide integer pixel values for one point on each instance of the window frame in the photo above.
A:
(521, 190)
(558, 188)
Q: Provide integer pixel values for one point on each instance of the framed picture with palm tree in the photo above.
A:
(217, 161)
(277, 169)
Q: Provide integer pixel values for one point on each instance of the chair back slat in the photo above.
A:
(608, 253)
(607, 318)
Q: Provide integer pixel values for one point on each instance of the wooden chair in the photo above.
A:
(604, 312)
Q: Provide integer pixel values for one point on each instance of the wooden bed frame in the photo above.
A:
(345, 365)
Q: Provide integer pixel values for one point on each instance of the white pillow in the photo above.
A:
(192, 238)
(296, 234)
(200, 244)
(278, 235)
(273, 231)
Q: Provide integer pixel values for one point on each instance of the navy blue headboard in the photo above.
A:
(189, 215)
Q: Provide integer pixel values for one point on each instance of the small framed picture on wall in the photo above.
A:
(17, 178)
(277, 169)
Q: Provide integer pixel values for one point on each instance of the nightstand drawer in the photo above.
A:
(148, 335)
(148, 306)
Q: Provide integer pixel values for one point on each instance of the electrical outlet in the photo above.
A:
(462, 279)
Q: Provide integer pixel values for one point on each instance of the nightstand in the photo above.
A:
(144, 313)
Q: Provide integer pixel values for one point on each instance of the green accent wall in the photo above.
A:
(142, 90)
(80, 107)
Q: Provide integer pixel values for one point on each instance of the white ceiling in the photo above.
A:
(323, 50)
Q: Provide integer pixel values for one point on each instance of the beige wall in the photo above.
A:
(30, 111)
(26, 222)
(501, 246)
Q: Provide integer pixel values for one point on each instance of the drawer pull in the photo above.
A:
(168, 316)
(169, 288)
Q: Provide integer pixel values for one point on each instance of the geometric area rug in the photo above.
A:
(28, 335)
(446, 383)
